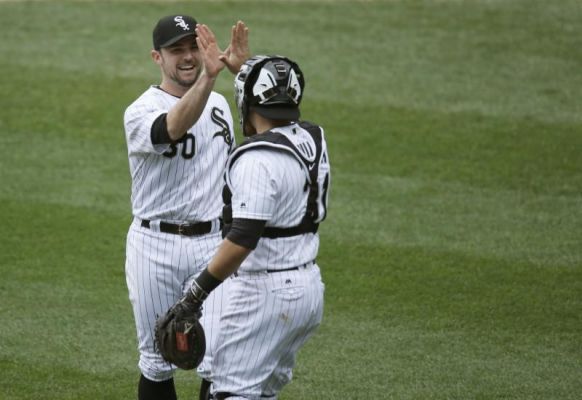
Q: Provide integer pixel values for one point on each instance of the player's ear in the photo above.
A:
(156, 56)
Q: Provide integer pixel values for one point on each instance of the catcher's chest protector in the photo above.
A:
(306, 142)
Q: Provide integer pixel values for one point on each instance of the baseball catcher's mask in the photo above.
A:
(272, 86)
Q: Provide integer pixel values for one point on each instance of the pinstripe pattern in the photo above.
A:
(177, 188)
(267, 319)
(184, 188)
(270, 186)
(159, 269)
(269, 316)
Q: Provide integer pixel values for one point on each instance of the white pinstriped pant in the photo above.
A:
(159, 269)
(268, 317)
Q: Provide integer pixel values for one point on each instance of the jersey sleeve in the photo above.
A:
(138, 120)
(254, 187)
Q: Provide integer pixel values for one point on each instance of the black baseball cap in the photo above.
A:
(172, 28)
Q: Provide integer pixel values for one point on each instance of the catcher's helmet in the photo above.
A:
(272, 86)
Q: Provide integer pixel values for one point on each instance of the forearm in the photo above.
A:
(234, 249)
(188, 109)
(227, 259)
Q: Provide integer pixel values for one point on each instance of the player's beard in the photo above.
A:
(185, 83)
(173, 73)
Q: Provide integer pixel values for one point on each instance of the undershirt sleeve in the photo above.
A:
(159, 132)
(246, 232)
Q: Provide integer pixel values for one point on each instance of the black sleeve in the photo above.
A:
(246, 232)
(159, 132)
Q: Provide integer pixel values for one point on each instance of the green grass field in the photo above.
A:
(452, 255)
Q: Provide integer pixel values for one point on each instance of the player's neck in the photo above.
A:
(173, 89)
(262, 124)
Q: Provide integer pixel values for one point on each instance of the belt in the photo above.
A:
(269, 271)
(296, 268)
(200, 228)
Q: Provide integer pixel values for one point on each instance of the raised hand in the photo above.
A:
(238, 50)
(209, 50)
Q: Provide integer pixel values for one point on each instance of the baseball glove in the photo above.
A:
(179, 336)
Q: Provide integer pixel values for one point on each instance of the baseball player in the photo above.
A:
(276, 193)
(179, 134)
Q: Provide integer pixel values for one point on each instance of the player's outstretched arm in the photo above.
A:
(238, 50)
(188, 110)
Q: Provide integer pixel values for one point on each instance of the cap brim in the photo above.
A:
(278, 113)
(177, 38)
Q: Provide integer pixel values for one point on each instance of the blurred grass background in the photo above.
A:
(452, 253)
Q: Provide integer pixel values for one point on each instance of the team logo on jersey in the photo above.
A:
(306, 149)
(304, 144)
(216, 116)
(181, 23)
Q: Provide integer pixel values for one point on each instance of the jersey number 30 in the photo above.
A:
(188, 147)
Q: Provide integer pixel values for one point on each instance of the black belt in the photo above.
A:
(283, 270)
(200, 228)
(297, 268)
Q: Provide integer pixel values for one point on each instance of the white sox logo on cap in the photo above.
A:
(180, 22)
(171, 29)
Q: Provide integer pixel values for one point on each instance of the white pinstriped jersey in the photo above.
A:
(176, 183)
(270, 184)
(275, 301)
(180, 182)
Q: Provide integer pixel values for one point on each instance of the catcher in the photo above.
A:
(275, 196)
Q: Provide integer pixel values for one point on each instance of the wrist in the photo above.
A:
(203, 285)
(207, 76)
